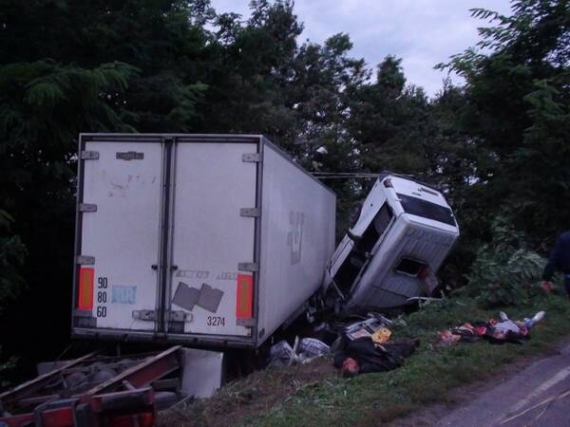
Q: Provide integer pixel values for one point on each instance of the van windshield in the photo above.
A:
(429, 210)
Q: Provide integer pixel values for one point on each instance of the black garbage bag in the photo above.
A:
(372, 357)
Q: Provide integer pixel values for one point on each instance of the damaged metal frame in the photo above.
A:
(127, 399)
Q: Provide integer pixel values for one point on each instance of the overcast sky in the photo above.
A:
(420, 32)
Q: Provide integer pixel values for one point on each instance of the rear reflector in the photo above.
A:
(86, 280)
(54, 418)
(244, 299)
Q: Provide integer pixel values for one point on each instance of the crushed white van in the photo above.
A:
(390, 256)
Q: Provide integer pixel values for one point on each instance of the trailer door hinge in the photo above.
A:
(179, 316)
(89, 155)
(85, 260)
(87, 207)
(248, 266)
(250, 212)
(146, 315)
(251, 157)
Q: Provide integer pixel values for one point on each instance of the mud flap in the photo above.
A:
(202, 372)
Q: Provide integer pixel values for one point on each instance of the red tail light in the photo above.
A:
(244, 297)
(85, 291)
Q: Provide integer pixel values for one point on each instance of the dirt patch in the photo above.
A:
(254, 395)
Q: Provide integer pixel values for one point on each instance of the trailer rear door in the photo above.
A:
(213, 236)
(119, 231)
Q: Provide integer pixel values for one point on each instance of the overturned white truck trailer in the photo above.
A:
(391, 254)
(204, 240)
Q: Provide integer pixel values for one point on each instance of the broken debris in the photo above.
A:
(303, 351)
(365, 347)
(366, 328)
(495, 331)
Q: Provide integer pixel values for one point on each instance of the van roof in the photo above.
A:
(385, 174)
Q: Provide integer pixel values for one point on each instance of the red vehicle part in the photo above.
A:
(125, 400)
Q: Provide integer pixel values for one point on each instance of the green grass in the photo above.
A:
(429, 376)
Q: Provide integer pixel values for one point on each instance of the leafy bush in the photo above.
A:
(6, 365)
(12, 254)
(505, 269)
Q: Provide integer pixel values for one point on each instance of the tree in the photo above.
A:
(12, 256)
(324, 80)
(68, 67)
(44, 106)
(392, 122)
(518, 97)
(249, 73)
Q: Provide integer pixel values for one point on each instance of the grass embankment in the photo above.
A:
(315, 395)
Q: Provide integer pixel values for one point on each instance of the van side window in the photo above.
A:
(410, 267)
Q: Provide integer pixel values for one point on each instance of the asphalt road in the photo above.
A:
(538, 396)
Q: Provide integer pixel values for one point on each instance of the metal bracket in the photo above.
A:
(251, 157)
(179, 316)
(87, 207)
(82, 313)
(146, 315)
(151, 316)
(85, 260)
(129, 155)
(89, 155)
(85, 322)
(246, 322)
(250, 212)
(248, 266)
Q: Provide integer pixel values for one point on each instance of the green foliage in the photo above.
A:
(517, 105)
(44, 106)
(448, 312)
(6, 365)
(12, 256)
(505, 270)
(391, 122)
